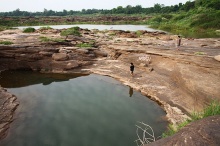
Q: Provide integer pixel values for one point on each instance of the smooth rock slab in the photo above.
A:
(205, 132)
(217, 57)
(8, 105)
(60, 56)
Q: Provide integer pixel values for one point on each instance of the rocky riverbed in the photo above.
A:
(181, 80)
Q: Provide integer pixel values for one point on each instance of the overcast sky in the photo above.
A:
(59, 5)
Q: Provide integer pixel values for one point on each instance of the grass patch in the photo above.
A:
(29, 30)
(46, 39)
(2, 28)
(112, 34)
(6, 42)
(45, 28)
(212, 109)
(199, 53)
(84, 45)
(139, 33)
(71, 31)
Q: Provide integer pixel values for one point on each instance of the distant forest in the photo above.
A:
(128, 10)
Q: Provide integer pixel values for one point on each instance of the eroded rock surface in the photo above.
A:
(8, 105)
(181, 81)
(205, 132)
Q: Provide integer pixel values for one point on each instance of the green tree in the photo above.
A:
(188, 5)
(157, 8)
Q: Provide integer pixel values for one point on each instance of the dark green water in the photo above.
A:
(67, 110)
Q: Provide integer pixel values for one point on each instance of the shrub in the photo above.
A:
(46, 39)
(6, 42)
(45, 28)
(29, 30)
(71, 31)
(167, 16)
(212, 109)
(112, 34)
(179, 17)
(166, 27)
(84, 45)
(139, 33)
(2, 28)
(206, 20)
(157, 19)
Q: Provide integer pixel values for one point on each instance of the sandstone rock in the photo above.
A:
(217, 57)
(62, 50)
(114, 54)
(45, 53)
(60, 56)
(205, 132)
(100, 53)
(8, 105)
(71, 65)
(143, 65)
(91, 55)
(84, 51)
(53, 50)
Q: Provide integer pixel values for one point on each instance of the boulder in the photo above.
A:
(8, 105)
(100, 53)
(205, 132)
(217, 57)
(60, 56)
(84, 51)
(45, 53)
(72, 65)
(143, 64)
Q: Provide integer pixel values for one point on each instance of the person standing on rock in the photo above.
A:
(178, 42)
(132, 69)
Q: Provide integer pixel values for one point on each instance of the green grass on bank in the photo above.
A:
(6, 42)
(71, 31)
(212, 109)
(201, 20)
(47, 39)
(29, 30)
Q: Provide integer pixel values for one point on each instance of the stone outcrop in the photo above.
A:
(60, 56)
(217, 57)
(181, 81)
(205, 132)
(8, 105)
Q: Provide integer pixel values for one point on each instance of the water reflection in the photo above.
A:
(15, 79)
(91, 110)
(130, 91)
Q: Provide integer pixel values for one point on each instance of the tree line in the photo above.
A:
(157, 8)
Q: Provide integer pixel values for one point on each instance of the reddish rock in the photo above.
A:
(205, 132)
(60, 56)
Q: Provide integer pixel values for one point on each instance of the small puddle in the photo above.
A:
(76, 110)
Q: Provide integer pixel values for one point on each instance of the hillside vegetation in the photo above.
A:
(201, 16)
(198, 16)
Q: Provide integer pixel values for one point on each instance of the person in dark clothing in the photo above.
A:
(178, 42)
(132, 69)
